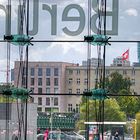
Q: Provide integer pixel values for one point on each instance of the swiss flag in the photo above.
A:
(125, 55)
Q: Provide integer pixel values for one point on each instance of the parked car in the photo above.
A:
(59, 135)
(74, 136)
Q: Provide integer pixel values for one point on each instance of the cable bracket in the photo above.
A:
(19, 39)
(95, 40)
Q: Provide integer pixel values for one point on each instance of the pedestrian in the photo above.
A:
(116, 137)
(46, 134)
(38, 131)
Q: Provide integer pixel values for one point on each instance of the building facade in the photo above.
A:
(61, 77)
(44, 77)
(120, 62)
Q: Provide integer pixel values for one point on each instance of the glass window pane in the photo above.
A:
(32, 81)
(55, 81)
(56, 72)
(55, 90)
(47, 90)
(39, 81)
(39, 90)
(55, 101)
(48, 72)
(39, 101)
(39, 71)
(47, 81)
(47, 109)
(32, 72)
(39, 109)
(70, 91)
(78, 91)
(48, 101)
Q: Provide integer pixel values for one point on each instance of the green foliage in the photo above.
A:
(128, 104)
(115, 83)
(119, 85)
(112, 112)
(138, 125)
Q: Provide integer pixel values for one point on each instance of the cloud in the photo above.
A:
(67, 45)
(132, 12)
(2, 13)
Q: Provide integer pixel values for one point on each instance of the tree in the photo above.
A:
(115, 83)
(118, 85)
(112, 112)
(128, 104)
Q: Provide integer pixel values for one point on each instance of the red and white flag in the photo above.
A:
(125, 55)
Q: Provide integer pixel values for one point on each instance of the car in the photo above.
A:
(60, 135)
(40, 136)
(57, 135)
(71, 135)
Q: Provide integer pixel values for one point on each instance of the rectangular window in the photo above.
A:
(78, 72)
(69, 107)
(39, 101)
(78, 91)
(39, 90)
(70, 80)
(48, 90)
(55, 81)
(70, 91)
(55, 101)
(39, 71)
(32, 72)
(48, 82)
(56, 72)
(48, 72)
(77, 108)
(47, 109)
(70, 71)
(78, 81)
(39, 109)
(56, 90)
(32, 89)
(48, 101)
(85, 81)
(39, 81)
(32, 81)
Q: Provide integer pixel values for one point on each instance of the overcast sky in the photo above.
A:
(129, 17)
